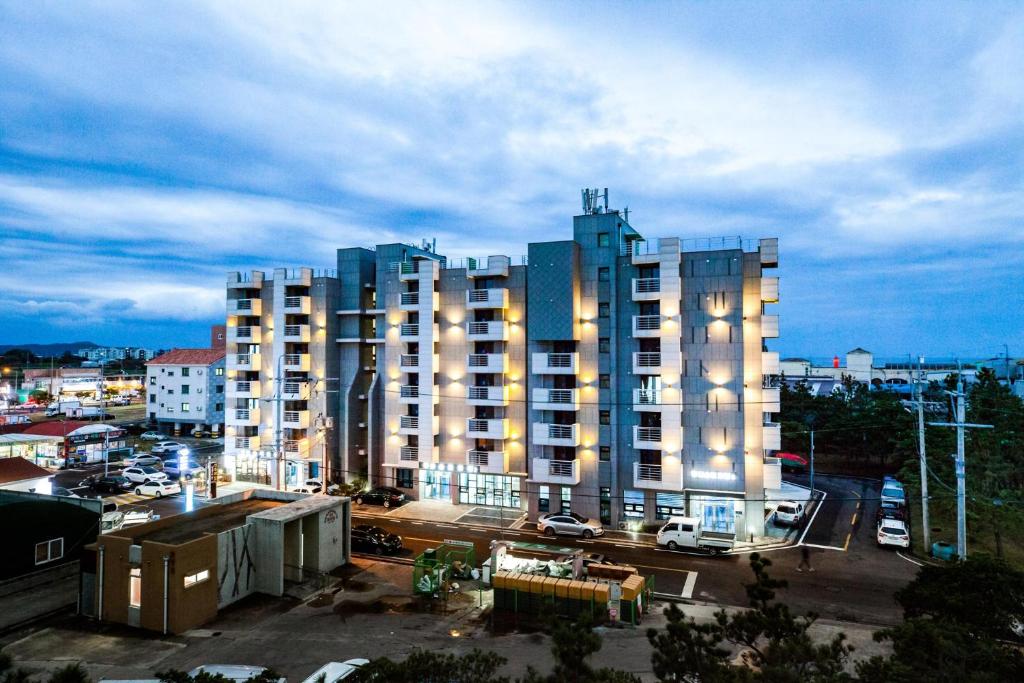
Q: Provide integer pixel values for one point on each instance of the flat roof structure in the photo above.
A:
(212, 519)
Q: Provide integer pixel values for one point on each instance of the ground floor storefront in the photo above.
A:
(264, 468)
(435, 481)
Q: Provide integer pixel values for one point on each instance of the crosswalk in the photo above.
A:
(126, 499)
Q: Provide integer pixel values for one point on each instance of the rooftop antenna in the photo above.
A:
(625, 212)
(590, 200)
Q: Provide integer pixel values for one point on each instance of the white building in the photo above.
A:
(185, 389)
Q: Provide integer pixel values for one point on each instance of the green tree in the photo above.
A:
(775, 644)
(572, 644)
(422, 666)
(72, 673)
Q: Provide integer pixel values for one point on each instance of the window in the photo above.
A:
(603, 274)
(604, 381)
(48, 551)
(185, 407)
(152, 381)
(170, 373)
(218, 372)
(219, 407)
(135, 587)
(403, 477)
(603, 310)
(605, 417)
(633, 503)
(606, 505)
(544, 499)
(184, 372)
(603, 239)
(566, 500)
(198, 577)
(604, 453)
(152, 398)
(604, 345)
(219, 389)
(185, 389)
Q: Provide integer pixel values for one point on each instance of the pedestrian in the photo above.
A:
(805, 559)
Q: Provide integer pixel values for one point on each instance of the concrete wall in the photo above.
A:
(236, 569)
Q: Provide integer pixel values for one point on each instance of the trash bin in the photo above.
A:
(943, 550)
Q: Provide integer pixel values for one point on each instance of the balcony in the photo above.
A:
(771, 401)
(487, 396)
(295, 419)
(244, 361)
(253, 280)
(298, 362)
(409, 301)
(245, 306)
(770, 290)
(492, 266)
(412, 362)
(487, 462)
(547, 434)
(555, 399)
(646, 288)
(647, 400)
(244, 389)
(408, 270)
(647, 326)
(296, 447)
(555, 363)
(298, 304)
(410, 393)
(770, 326)
(770, 363)
(772, 476)
(668, 476)
(296, 333)
(769, 249)
(294, 391)
(410, 332)
(495, 428)
(772, 436)
(244, 333)
(491, 330)
(245, 417)
(408, 453)
(409, 425)
(486, 298)
(648, 438)
(487, 363)
(558, 472)
(646, 363)
(247, 443)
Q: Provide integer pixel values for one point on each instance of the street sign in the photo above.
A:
(450, 541)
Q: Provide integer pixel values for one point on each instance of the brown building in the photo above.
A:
(174, 574)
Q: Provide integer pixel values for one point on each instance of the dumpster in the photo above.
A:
(943, 550)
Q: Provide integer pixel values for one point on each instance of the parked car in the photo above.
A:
(382, 495)
(202, 433)
(890, 510)
(158, 488)
(892, 492)
(893, 532)
(373, 539)
(310, 486)
(332, 672)
(114, 483)
(238, 673)
(789, 513)
(63, 492)
(172, 467)
(573, 524)
(141, 475)
(167, 447)
(142, 460)
(151, 436)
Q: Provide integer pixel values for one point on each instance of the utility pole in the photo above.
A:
(925, 524)
(961, 480)
(812, 463)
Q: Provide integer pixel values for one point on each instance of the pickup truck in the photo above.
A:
(687, 532)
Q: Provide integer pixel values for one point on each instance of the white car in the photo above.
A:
(893, 532)
(158, 488)
(311, 486)
(167, 447)
(141, 475)
(238, 673)
(151, 436)
(789, 513)
(142, 460)
(336, 671)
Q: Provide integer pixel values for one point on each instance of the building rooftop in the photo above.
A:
(188, 357)
(212, 519)
(20, 469)
(56, 427)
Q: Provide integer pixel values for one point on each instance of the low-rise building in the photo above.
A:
(81, 442)
(174, 574)
(18, 474)
(185, 388)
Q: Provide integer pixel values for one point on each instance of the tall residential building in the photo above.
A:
(281, 365)
(615, 377)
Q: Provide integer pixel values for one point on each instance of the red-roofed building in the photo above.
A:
(18, 474)
(185, 388)
(81, 441)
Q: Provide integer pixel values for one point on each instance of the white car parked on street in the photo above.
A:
(141, 475)
(167, 447)
(151, 436)
(893, 532)
(789, 513)
(158, 488)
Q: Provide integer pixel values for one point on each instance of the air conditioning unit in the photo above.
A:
(362, 451)
(362, 397)
(362, 425)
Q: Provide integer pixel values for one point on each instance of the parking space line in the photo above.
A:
(691, 580)
(823, 547)
(817, 508)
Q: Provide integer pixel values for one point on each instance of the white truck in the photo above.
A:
(687, 532)
(62, 407)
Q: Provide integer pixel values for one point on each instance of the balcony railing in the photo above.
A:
(409, 422)
(243, 387)
(487, 395)
(410, 299)
(409, 329)
(647, 397)
(293, 446)
(297, 303)
(242, 413)
(646, 285)
(487, 298)
(409, 360)
(647, 359)
(293, 389)
(409, 391)
(494, 428)
(565, 472)
(555, 363)
(246, 443)
(646, 323)
(409, 453)
(646, 435)
(487, 363)
(648, 472)
(555, 399)
(491, 462)
(666, 476)
(244, 332)
(491, 330)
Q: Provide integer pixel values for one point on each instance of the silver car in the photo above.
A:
(571, 524)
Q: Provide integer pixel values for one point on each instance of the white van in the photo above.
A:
(789, 513)
(336, 671)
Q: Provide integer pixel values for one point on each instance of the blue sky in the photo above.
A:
(148, 148)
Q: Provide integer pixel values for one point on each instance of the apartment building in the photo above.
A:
(185, 388)
(621, 378)
(281, 370)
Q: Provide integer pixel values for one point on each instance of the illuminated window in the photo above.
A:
(198, 577)
(185, 407)
(219, 372)
(135, 587)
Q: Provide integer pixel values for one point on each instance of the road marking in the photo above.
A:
(823, 547)
(847, 544)
(691, 579)
(817, 508)
(661, 569)
(622, 545)
(919, 564)
(448, 526)
(512, 533)
(418, 523)
(853, 520)
(583, 541)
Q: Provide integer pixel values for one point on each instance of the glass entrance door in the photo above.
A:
(435, 485)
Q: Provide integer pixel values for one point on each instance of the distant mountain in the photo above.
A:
(46, 350)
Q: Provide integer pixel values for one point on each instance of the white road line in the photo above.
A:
(582, 541)
(691, 580)
(919, 564)
(817, 508)
(825, 547)
(448, 526)
(512, 533)
(418, 523)
(620, 545)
